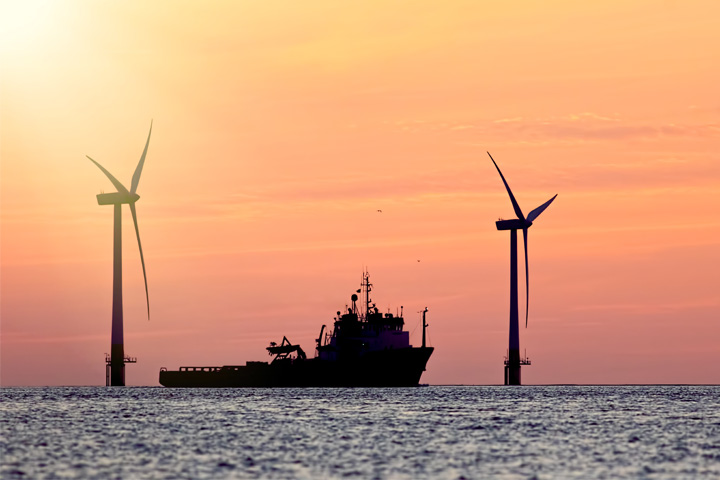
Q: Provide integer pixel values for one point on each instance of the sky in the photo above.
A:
(280, 128)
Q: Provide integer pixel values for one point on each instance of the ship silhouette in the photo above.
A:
(366, 348)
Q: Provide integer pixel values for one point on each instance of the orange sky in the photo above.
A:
(280, 128)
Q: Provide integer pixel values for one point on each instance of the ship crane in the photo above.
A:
(283, 351)
(320, 337)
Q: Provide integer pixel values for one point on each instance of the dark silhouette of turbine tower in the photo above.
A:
(513, 360)
(115, 362)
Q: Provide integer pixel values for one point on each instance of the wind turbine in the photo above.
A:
(513, 360)
(123, 195)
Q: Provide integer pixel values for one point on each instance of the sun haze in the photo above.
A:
(282, 128)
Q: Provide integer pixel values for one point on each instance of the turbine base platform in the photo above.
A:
(108, 369)
(512, 370)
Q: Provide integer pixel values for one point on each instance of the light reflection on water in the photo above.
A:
(433, 432)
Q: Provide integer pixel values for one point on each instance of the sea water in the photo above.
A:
(654, 432)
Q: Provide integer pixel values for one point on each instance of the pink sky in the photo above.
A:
(280, 128)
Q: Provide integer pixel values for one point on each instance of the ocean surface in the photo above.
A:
(654, 432)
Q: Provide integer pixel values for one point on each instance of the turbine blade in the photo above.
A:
(515, 205)
(527, 278)
(114, 180)
(138, 169)
(142, 259)
(536, 213)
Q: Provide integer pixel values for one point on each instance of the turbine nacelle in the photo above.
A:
(117, 198)
(514, 224)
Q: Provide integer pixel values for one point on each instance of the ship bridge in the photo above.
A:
(367, 329)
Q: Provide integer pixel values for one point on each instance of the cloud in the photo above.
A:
(704, 109)
(571, 128)
(452, 182)
(593, 127)
(648, 308)
(28, 337)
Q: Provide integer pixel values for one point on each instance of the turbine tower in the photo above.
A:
(513, 360)
(117, 360)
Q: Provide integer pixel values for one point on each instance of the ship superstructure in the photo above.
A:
(363, 330)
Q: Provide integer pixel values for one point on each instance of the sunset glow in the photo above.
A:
(281, 128)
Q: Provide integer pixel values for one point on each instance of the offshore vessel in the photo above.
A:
(366, 348)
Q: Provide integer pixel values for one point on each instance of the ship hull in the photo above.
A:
(401, 367)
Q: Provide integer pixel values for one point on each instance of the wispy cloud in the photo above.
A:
(571, 128)
(27, 337)
(648, 307)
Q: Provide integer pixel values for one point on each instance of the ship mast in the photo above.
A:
(425, 325)
(368, 287)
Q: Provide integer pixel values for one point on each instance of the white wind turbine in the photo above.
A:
(123, 195)
(513, 361)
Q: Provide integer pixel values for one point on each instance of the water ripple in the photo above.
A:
(659, 432)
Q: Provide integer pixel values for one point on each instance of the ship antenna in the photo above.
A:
(425, 325)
